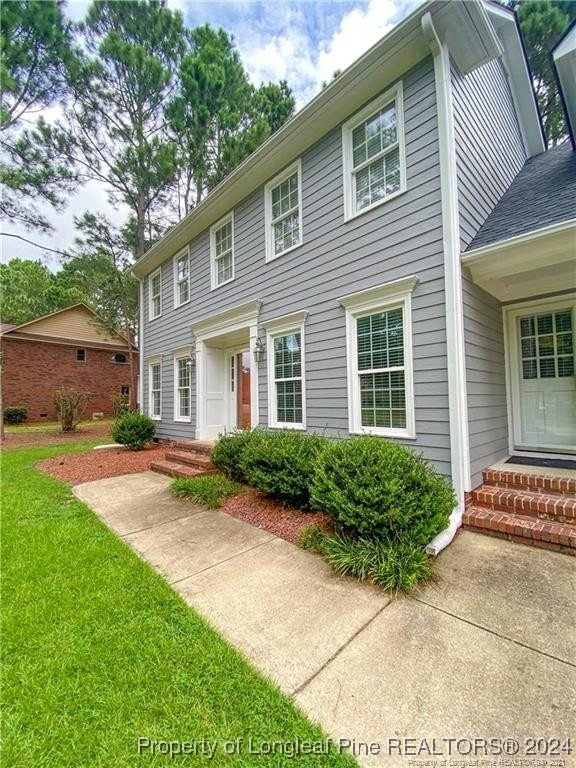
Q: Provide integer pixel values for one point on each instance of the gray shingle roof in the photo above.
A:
(542, 194)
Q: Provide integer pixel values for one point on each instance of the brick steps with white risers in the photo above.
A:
(191, 459)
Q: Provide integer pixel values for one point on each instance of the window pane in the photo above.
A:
(380, 340)
(563, 322)
(285, 196)
(182, 267)
(184, 402)
(183, 373)
(287, 356)
(223, 239)
(383, 400)
(289, 402)
(183, 291)
(527, 327)
(374, 135)
(156, 376)
(566, 366)
(547, 368)
(545, 324)
(224, 269)
(156, 285)
(529, 369)
(287, 232)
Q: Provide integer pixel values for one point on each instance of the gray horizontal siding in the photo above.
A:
(395, 240)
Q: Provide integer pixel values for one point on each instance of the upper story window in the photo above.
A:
(222, 251)
(81, 355)
(283, 201)
(155, 298)
(182, 278)
(119, 357)
(374, 158)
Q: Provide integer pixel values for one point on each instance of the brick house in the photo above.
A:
(66, 348)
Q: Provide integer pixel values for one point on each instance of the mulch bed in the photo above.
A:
(76, 468)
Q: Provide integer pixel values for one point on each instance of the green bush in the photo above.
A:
(311, 538)
(281, 464)
(15, 414)
(133, 429)
(228, 451)
(207, 490)
(375, 488)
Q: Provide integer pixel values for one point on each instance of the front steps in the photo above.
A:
(525, 507)
(189, 458)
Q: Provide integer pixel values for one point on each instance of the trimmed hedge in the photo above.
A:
(228, 452)
(378, 489)
(134, 430)
(15, 414)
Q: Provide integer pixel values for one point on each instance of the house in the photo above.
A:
(66, 348)
(398, 259)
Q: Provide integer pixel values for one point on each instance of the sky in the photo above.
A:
(301, 41)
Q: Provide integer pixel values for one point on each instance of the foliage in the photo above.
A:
(282, 464)
(380, 489)
(208, 490)
(229, 449)
(133, 429)
(311, 538)
(15, 414)
(70, 405)
(120, 404)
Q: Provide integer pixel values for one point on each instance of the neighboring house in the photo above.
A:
(66, 348)
(398, 259)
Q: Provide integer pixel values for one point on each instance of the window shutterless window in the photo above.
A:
(286, 371)
(222, 251)
(182, 394)
(155, 389)
(81, 355)
(283, 212)
(374, 158)
(181, 279)
(155, 299)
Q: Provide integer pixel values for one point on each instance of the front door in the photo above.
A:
(243, 390)
(545, 414)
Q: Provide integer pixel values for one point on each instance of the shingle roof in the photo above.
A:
(542, 194)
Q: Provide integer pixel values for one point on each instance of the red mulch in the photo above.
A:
(34, 439)
(76, 468)
(262, 512)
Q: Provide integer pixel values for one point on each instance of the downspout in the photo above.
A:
(141, 346)
(456, 361)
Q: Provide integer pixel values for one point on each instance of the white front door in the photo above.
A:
(543, 342)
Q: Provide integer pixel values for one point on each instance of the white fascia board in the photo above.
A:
(230, 320)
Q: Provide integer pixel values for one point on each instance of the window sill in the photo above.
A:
(355, 214)
(156, 317)
(270, 257)
(220, 285)
(182, 304)
(400, 434)
(156, 418)
(296, 427)
(182, 419)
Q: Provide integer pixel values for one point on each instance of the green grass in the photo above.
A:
(98, 650)
(208, 490)
(49, 427)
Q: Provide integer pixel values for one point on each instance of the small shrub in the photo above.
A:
(228, 451)
(15, 414)
(208, 490)
(70, 406)
(133, 429)
(282, 465)
(311, 538)
(379, 489)
(120, 404)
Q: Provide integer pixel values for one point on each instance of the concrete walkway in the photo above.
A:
(488, 652)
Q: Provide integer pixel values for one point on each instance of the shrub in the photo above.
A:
(70, 405)
(311, 538)
(15, 414)
(282, 465)
(133, 429)
(120, 404)
(228, 451)
(378, 489)
(207, 490)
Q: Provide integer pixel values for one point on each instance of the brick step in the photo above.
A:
(196, 446)
(546, 534)
(200, 460)
(530, 504)
(173, 469)
(498, 478)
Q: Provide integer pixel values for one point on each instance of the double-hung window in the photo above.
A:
(182, 278)
(374, 161)
(285, 344)
(182, 382)
(222, 251)
(283, 203)
(155, 294)
(155, 389)
(380, 381)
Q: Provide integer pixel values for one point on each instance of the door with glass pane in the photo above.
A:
(547, 385)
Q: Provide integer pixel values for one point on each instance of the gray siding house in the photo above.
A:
(361, 272)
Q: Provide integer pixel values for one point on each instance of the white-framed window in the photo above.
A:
(283, 211)
(155, 388)
(379, 349)
(374, 154)
(181, 278)
(286, 372)
(182, 386)
(155, 294)
(222, 251)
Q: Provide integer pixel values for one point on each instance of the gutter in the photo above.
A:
(457, 400)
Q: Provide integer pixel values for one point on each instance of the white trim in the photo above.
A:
(141, 346)
(393, 95)
(477, 254)
(184, 353)
(283, 326)
(397, 293)
(230, 320)
(155, 360)
(176, 259)
(295, 167)
(214, 284)
(151, 276)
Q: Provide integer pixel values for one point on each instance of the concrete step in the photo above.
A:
(196, 446)
(545, 534)
(173, 469)
(192, 459)
(531, 504)
(533, 483)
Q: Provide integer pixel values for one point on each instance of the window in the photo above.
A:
(155, 386)
(283, 212)
(119, 357)
(380, 360)
(222, 251)
(285, 345)
(181, 279)
(125, 392)
(81, 355)
(374, 163)
(182, 377)
(155, 287)
(547, 346)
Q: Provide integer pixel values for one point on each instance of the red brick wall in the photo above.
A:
(33, 370)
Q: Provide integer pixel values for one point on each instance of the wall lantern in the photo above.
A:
(191, 362)
(259, 351)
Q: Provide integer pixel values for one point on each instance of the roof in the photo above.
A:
(4, 327)
(542, 194)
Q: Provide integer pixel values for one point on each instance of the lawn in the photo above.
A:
(97, 649)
